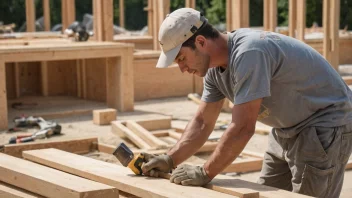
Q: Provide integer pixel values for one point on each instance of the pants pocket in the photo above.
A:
(316, 182)
(346, 147)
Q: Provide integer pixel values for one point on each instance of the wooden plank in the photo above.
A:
(30, 15)
(9, 191)
(228, 15)
(301, 19)
(115, 175)
(125, 81)
(190, 4)
(46, 13)
(266, 13)
(79, 78)
(252, 154)
(78, 146)
(84, 78)
(155, 123)
(49, 182)
(292, 18)
(17, 80)
(108, 20)
(273, 15)
(45, 79)
(160, 133)
(245, 165)
(145, 135)
(122, 13)
(105, 148)
(347, 79)
(240, 14)
(120, 130)
(68, 13)
(3, 98)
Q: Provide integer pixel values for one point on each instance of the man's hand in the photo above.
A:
(155, 163)
(188, 175)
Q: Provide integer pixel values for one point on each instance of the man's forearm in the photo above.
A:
(230, 146)
(194, 136)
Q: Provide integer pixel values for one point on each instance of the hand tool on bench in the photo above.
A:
(134, 162)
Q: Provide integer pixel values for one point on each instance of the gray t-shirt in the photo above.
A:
(298, 86)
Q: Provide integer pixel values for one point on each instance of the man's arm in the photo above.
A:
(235, 138)
(197, 131)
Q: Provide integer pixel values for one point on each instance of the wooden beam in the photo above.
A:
(155, 123)
(45, 78)
(49, 182)
(266, 14)
(78, 146)
(122, 131)
(273, 15)
(331, 18)
(150, 11)
(17, 80)
(10, 191)
(115, 175)
(68, 13)
(30, 15)
(245, 165)
(292, 18)
(160, 10)
(122, 13)
(301, 19)
(46, 11)
(103, 20)
(145, 135)
(190, 4)
(3, 97)
(228, 15)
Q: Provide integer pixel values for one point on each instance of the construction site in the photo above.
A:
(68, 98)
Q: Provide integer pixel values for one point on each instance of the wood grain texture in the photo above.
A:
(115, 175)
(50, 182)
(79, 146)
(3, 97)
(9, 191)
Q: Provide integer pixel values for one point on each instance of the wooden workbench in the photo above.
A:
(117, 64)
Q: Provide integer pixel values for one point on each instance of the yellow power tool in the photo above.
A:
(128, 159)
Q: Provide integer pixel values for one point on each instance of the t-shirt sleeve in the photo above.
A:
(252, 75)
(210, 92)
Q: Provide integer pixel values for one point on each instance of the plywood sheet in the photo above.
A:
(96, 79)
(62, 78)
(10, 80)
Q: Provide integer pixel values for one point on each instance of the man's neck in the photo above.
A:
(220, 51)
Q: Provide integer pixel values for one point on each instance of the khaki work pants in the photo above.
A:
(311, 163)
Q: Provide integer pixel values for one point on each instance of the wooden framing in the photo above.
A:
(190, 4)
(237, 14)
(68, 13)
(270, 15)
(301, 19)
(160, 10)
(122, 13)
(331, 18)
(103, 20)
(119, 93)
(46, 13)
(292, 21)
(7, 190)
(30, 16)
(50, 182)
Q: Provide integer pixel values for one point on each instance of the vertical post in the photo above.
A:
(273, 15)
(68, 13)
(266, 13)
(45, 78)
(3, 97)
(228, 15)
(331, 11)
(103, 20)
(17, 80)
(122, 13)
(190, 4)
(46, 11)
(150, 17)
(160, 10)
(84, 78)
(79, 78)
(301, 19)
(292, 18)
(30, 15)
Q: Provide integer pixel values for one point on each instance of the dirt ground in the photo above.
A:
(181, 109)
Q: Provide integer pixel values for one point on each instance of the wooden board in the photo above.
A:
(145, 135)
(115, 175)
(50, 182)
(10, 80)
(10, 191)
(121, 130)
(62, 78)
(3, 98)
(79, 146)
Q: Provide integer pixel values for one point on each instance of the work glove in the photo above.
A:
(155, 163)
(188, 175)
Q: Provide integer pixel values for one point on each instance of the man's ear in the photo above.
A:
(201, 42)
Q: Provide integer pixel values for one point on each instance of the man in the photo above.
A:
(271, 78)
